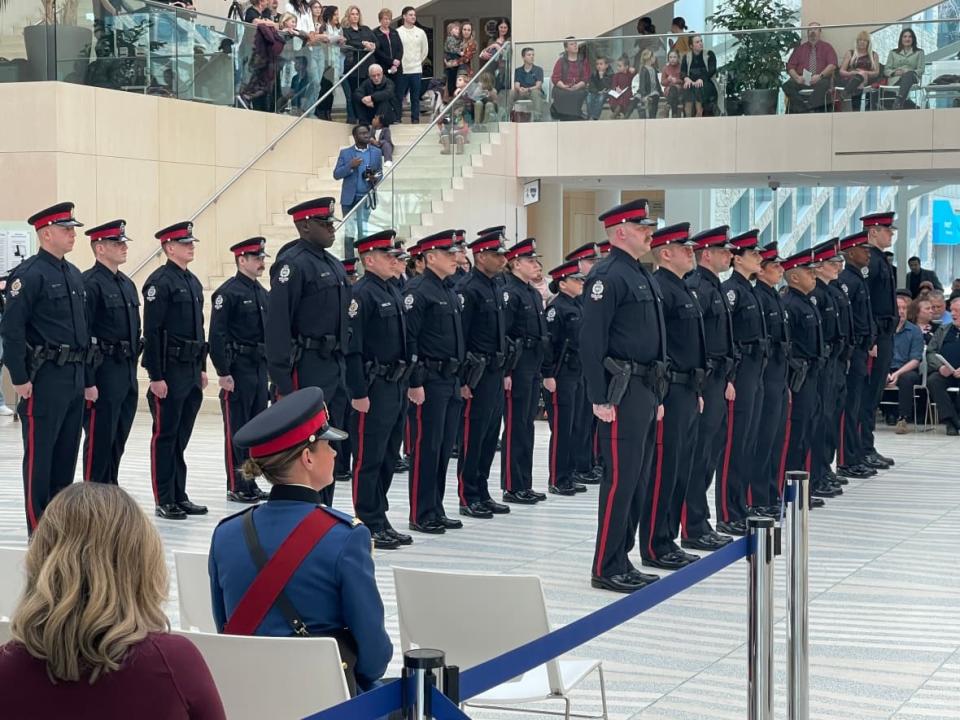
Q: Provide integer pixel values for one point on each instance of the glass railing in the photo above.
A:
(748, 72)
(431, 160)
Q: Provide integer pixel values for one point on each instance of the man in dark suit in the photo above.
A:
(917, 276)
(358, 167)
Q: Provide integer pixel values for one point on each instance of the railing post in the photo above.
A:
(421, 664)
(798, 657)
(760, 631)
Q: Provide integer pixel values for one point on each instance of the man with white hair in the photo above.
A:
(376, 96)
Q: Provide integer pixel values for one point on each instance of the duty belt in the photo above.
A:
(753, 346)
(720, 366)
(259, 349)
(325, 346)
(391, 372)
(448, 368)
(187, 350)
(529, 343)
(693, 379)
(121, 349)
(59, 354)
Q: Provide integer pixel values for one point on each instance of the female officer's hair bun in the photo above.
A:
(251, 469)
(274, 468)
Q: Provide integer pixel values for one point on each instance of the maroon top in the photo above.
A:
(163, 677)
(800, 59)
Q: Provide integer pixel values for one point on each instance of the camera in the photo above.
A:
(372, 175)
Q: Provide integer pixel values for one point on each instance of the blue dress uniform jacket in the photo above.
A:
(334, 588)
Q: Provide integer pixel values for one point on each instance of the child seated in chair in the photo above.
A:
(622, 83)
(601, 80)
(646, 87)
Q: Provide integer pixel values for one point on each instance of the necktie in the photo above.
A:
(812, 61)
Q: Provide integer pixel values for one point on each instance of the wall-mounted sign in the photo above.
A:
(15, 245)
(531, 192)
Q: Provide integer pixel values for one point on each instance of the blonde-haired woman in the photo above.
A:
(90, 637)
(859, 68)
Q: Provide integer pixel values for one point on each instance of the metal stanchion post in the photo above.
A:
(421, 664)
(760, 631)
(798, 658)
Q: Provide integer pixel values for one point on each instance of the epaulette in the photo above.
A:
(342, 516)
(228, 518)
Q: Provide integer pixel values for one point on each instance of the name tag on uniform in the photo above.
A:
(386, 304)
(324, 274)
(247, 302)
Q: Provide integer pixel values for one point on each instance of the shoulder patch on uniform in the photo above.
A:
(596, 292)
(284, 274)
(463, 300)
(732, 297)
(813, 300)
(408, 302)
(694, 293)
(151, 293)
(865, 271)
(551, 314)
(15, 287)
(845, 288)
(342, 516)
(218, 302)
(506, 297)
(353, 309)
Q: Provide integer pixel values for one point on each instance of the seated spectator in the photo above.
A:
(943, 366)
(918, 275)
(859, 68)
(921, 315)
(455, 125)
(598, 88)
(811, 67)
(698, 70)
(90, 639)
(333, 591)
(955, 285)
(646, 86)
(672, 83)
(623, 84)
(486, 100)
(907, 354)
(938, 306)
(904, 67)
(376, 96)
(569, 78)
(380, 137)
(528, 84)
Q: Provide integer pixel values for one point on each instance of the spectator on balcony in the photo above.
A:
(569, 78)
(376, 96)
(309, 89)
(905, 363)
(486, 100)
(380, 137)
(672, 83)
(920, 314)
(469, 50)
(859, 69)
(452, 53)
(646, 27)
(904, 67)
(259, 11)
(358, 41)
(500, 67)
(528, 84)
(334, 62)
(415, 51)
(260, 90)
(622, 84)
(919, 275)
(598, 88)
(943, 366)
(646, 86)
(678, 26)
(955, 286)
(811, 68)
(698, 70)
(389, 51)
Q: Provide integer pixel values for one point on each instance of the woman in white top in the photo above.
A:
(301, 48)
(331, 28)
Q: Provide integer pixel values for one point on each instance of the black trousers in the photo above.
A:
(50, 421)
(743, 422)
(374, 460)
(695, 513)
(432, 432)
(106, 425)
(326, 373)
(481, 422)
(173, 419)
(815, 101)
(764, 487)
(520, 410)
(905, 385)
(804, 414)
(624, 444)
(850, 450)
(676, 436)
(821, 442)
(937, 386)
(341, 415)
(876, 381)
(582, 435)
(563, 406)
(247, 400)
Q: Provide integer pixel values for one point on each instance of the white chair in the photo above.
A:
(505, 611)
(277, 678)
(193, 592)
(5, 636)
(12, 578)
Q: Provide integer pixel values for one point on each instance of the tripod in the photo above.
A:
(235, 12)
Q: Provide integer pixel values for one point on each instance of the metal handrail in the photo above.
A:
(439, 116)
(179, 10)
(267, 148)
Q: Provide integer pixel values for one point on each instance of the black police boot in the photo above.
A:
(476, 510)
(518, 497)
(587, 478)
(953, 427)
(449, 523)
(538, 496)
(243, 496)
(562, 489)
(668, 561)
(382, 540)
(171, 511)
(431, 527)
(818, 489)
(625, 583)
(401, 537)
(495, 507)
(192, 509)
(401, 465)
(737, 527)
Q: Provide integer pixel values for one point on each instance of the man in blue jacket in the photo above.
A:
(359, 167)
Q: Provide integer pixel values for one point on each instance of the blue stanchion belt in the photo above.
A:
(444, 708)
(376, 703)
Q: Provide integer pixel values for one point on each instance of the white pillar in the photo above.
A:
(549, 224)
(692, 206)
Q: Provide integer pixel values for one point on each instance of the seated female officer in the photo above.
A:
(329, 584)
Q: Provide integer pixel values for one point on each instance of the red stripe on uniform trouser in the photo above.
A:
(657, 479)
(508, 480)
(782, 473)
(295, 379)
(807, 464)
(88, 470)
(611, 496)
(683, 520)
(31, 449)
(841, 455)
(463, 452)
(153, 449)
(726, 462)
(554, 432)
(406, 434)
(415, 485)
(869, 365)
(358, 461)
(228, 443)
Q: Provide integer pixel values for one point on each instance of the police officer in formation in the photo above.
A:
(113, 319)
(175, 357)
(238, 353)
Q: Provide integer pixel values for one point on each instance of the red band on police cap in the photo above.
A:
(106, 233)
(745, 243)
(492, 244)
(768, 254)
(585, 253)
(436, 243)
(292, 437)
(54, 218)
(883, 221)
(635, 214)
(252, 248)
(176, 235)
(320, 211)
(711, 240)
(375, 244)
(670, 237)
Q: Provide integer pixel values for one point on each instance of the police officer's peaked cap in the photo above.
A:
(587, 251)
(317, 208)
(635, 211)
(382, 240)
(443, 240)
(523, 248)
(489, 242)
(398, 250)
(855, 240)
(826, 250)
(771, 252)
(569, 270)
(714, 238)
(604, 247)
(415, 250)
(502, 229)
(804, 258)
(750, 240)
(678, 234)
(115, 230)
(349, 266)
(881, 219)
(460, 236)
(294, 419)
(59, 214)
(178, 232)
(251, 246)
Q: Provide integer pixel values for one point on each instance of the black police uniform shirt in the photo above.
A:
(434, 331)
(882, 285)
(806, 334)
(483, 303)
(854, 286)
(44, 307)
(377, 330)
(717, 326)
(525, 319)
(564, 322)
(775, 320)
(172, 314)
(309, 297)
(844, 318)
(239, 317)
(622, 319)
(746, 315)
(826, 305)
(686, 345)
(113, 317)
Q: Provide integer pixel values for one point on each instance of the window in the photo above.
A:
(924, 207)
(785, 219)
(855, 224)
(765, 235)
(839, 201)
(762, 197)
(740, 215)
(804, 242)
(873, 195)
(804, 200)
(913, 223)
(823, 222)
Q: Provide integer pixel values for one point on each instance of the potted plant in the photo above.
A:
(755, 72)
(57, 48)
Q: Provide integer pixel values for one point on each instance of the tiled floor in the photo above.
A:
(885, 585)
